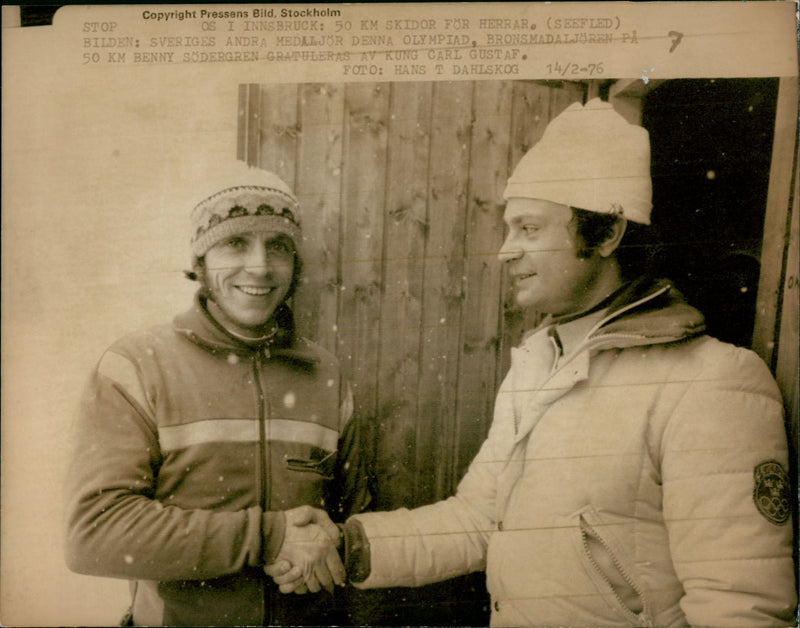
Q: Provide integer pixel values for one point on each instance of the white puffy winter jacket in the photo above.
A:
(642, 482)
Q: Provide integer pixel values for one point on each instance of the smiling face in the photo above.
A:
(247, 276)
(542, 254)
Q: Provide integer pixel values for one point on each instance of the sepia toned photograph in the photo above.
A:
(428, 314)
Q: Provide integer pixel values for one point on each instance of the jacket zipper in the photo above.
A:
(650, 339)
(629, 307)
(263, 415)
(592, 341)
(586, 529)
(268, 595)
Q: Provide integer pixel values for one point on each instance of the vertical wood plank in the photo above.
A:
(443, 286)
(319, 180)
(405, 230)
(252, 122)
(786, 368)
(488, 174)
(241, 123)
(775, 220)
(277, 124)
(363, 195)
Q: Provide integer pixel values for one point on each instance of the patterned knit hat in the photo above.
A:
(589, 158)
(260, 202)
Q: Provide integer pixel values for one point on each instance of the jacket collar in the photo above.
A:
(199, 327)
(644, 311)
(649, 311)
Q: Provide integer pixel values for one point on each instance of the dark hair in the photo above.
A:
(634, 254)
(591, 230)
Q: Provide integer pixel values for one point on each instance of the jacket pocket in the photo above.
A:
(606, 563)
(319, 466)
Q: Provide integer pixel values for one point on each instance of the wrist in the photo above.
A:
(356, 557)
(273, 533)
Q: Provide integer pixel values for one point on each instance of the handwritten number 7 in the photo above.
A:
(676, 39)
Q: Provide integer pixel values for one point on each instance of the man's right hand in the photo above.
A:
(289, 579)
(309, 545)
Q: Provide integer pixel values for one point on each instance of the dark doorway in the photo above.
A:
(711, 145)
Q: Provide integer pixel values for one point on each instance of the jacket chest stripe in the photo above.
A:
(246, 431)
(301, 432)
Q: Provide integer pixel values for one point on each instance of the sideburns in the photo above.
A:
(198, 274)
(590, 230)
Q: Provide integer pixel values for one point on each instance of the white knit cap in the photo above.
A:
(589, 158)
(254, 201)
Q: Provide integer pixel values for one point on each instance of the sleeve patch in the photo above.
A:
(771, 492)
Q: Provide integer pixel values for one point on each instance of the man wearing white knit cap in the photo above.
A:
(635, 470)
(214, 448)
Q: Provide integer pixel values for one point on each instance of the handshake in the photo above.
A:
(309, 558)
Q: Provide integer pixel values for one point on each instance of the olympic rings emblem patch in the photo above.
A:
(771, 492)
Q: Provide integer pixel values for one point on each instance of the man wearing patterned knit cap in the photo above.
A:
(635, 470)
(211, 448)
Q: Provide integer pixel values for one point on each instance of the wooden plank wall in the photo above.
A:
(401, 193)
